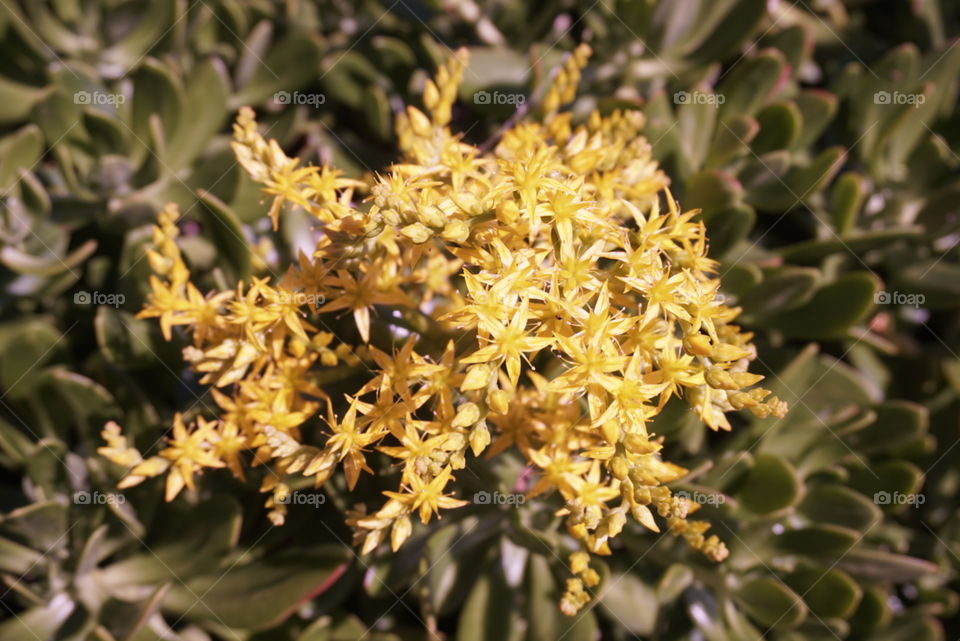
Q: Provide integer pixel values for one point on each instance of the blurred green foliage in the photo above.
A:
(818, 138)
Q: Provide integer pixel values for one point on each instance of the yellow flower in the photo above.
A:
(508, 342)
(427, 498)
(547, 297)
(189, 451)
(359, 296)
(348, 441)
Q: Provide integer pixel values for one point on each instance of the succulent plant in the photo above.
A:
(818, 138)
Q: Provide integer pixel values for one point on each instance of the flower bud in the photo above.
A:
(478, 377)
(417, 232)
(479, 438)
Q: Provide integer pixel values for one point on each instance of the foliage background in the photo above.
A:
(833, 212)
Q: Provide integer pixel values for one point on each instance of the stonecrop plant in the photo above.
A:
(547, 297)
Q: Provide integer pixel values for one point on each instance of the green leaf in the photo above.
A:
(731, 140)
(261, 593)
(488, 614)
(20, 560)
(19, 151)
(42, 525)
(205, 100)
(779, 127)
(781, 290)
(40, 622)
(454, 555)
(492, 67)
(877, 565)
(833, 309)
(14, 443)
(632, 603)
(937, 281)
(827, 592)
(841, 506)
(796, 44)
(83, 400)
(156, 21)
(52, 30)
(156, 112)
(48, 263)
(739, 278)
(393, 53)
(800, 183)
(913, 627)
(751, 83)
(771, 484)
(829, 541)
(290, 65)
(765, 175)
(726, 229)
(772, 604)
(817, 108)
(723, 39)
(873, 613)
(184, 542)
(17, 100)
(713, 191)
(376, 109)
(661, 127)
(346, 77)
(898, 423)
(881, 481)
(36, 344)
(857, 243)
(125, 340)
(226, 232)
(695, 122)
(107, 134)
(674, 581)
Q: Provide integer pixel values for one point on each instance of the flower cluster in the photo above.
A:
(547, 297)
